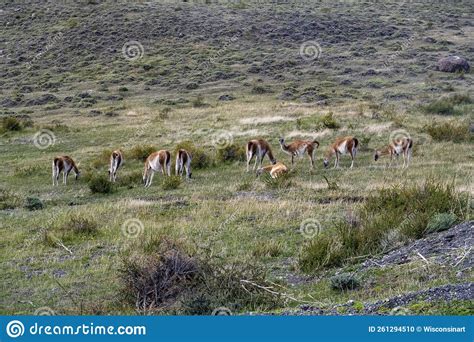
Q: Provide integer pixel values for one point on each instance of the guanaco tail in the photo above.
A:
(403, 146)
(275, 170)
(183, 161)
(299, 148)
(157, 161)
(63, 164)
(116, 161)
(258, 148)
(344, 145)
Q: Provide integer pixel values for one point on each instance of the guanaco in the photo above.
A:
(63, 164)
(299, 148)
(258, 148)
(403, 146)
(157, 161)
(340, 147)
(116, 161)
(183, 161)
(275, 170)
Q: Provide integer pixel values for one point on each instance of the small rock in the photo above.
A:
(226, 97)
(453, 64)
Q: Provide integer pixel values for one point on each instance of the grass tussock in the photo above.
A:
(389, 217)
(80, 225)
(171, 183)
(100, 184)
(141, 152)
(231, 153)
(9, 199)
(451, 105)
(449, 131)
(167, 278)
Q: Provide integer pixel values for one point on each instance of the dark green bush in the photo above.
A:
(449, 131)
(34, 203)
(100, 184)
(231, 153)
(344, 281)
(11, 123)
(141, 152)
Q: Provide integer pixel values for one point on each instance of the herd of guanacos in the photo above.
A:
(255, 148)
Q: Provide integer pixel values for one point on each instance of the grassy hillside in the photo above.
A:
(211, 77)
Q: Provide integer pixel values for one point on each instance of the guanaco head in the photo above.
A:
(325, 162)
(376, 155)
(282, 141)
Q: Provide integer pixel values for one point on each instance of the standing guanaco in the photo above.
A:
(403, 146)
(157, 161)
(116, 161)
(258, 148)
(183, 161)
(342, 146)
(275, 170)
(299, 148)
(63, 164)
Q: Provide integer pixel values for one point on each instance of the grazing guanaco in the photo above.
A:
(342, 146)
(157, 161)
(401, 146)
(275, 170)
(183, 161)
(258, 148)
(116, 161)
(299, 148)
(63, 164)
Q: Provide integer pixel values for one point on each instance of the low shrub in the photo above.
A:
(344, 281)
(141, 152)
(440, 222)
(101, 160)
(130, 179)
(328, 121)
(34, 203)
(449, 131)
(403, 212)
(80, 225)
(170, 183)
(100, 184)
(200, 159)
(198, 102)
(448, 105)
(231, 152)
(9, 199)
(169, 278)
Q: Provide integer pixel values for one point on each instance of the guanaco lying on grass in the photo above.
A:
(275, 170)
(116, 161)
(63, 164)
(258, 148)
(299, 148)
(403, 146)
(157, 161)
(183, 161)
(341, 146)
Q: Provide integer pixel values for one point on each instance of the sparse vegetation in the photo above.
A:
(100, 184)
(449, 131)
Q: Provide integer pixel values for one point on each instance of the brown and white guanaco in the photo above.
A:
(341, 146)
(183, 161)
(403, 146)
(258, 148)
(157, 161)
(116, 161)
(63, 164)
(298, 148)
(275, 170)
